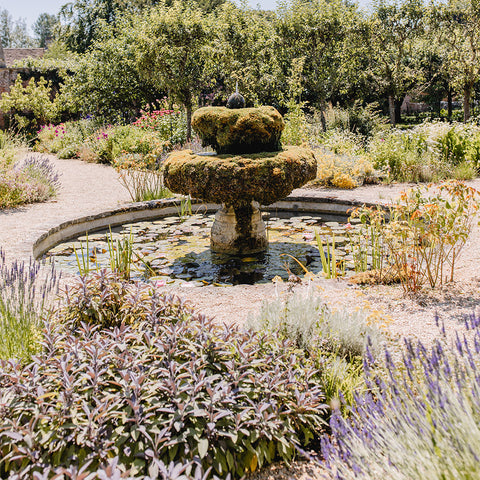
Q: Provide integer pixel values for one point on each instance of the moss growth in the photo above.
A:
(242, 130)
(237, 180)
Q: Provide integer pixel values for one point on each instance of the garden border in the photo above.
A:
(329, 208)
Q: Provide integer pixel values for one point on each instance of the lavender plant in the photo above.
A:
(420, 418)
(40, 169)
(169, 387)
(26, 298)
(30, 180)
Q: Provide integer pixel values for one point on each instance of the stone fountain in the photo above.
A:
(249, 169)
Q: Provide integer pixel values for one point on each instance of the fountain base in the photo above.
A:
(238, 230)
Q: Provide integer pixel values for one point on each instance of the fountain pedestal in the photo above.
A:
(238, 230)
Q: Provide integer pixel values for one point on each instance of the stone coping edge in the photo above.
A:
(330, 209)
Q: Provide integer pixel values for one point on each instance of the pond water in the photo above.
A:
(176, 250)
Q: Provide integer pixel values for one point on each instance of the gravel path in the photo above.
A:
(86, 188)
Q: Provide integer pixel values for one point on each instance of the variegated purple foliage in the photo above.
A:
(172, 387)
(420, 419)
(113, 471)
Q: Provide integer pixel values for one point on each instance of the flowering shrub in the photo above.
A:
(160, 385)
(107, 144)
(66, 138)
(86, 140)
(170, 125)
(424, 407)
(422, 234)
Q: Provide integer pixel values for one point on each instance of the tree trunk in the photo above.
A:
(449, 104)
(398, 111)
(467, 94)
(391, 109)
(189, 122)
(323, 121)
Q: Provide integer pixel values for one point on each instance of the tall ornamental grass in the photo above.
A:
(420, 419)
(26, 297)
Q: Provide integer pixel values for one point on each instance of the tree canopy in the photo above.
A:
(196, 51)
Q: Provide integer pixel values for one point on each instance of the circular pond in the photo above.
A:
(176, 250)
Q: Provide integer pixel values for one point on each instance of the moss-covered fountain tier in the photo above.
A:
(250, 168)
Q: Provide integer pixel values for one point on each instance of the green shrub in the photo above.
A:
(363, 121)
(170, 387)
(296, 131)
(428, 152)
(30, 106)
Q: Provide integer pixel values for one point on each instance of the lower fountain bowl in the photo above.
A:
(229, 179)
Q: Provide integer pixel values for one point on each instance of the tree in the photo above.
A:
(457, 24)
(80, 20)
(319, 31)
(243, 50)
(105, 80)
(44, 28)
(13, 33)
(172, 48)
(395, 29)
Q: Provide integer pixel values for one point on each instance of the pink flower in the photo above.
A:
(160, 283)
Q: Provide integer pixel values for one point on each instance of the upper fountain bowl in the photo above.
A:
(240, 130)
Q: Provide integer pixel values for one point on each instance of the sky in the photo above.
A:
(29, 10)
